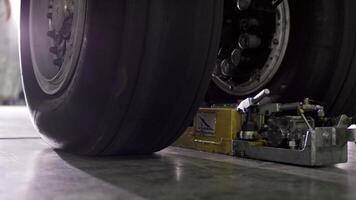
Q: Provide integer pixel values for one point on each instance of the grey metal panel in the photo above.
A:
(324, 146)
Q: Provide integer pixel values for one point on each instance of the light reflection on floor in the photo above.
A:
(29, 169)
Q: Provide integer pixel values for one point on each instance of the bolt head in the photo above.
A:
(236, 57)
(243, 5)
(275, 41)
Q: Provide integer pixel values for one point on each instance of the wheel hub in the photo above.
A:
(60, 19)
(254, 40)
(56, 32)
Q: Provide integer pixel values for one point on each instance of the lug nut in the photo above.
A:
(49, 15)
(226, 68)
(236, 57)
(66, 36)
(246, 24)
(243, 4)
(51, 34)
(248, 41)
(53, 50)
(275, 41)
(58, 62)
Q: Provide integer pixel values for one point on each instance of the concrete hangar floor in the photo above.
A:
(30, 169)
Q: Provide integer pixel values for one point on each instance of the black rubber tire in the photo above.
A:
(320, 36)
(319, 55)
(142, 72)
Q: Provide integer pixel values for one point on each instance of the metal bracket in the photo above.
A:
(323, 146)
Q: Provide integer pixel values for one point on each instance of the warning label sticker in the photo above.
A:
(205, 123)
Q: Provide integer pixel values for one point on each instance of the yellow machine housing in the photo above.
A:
(214, 131)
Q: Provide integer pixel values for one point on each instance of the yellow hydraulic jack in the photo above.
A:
(214, 131)
(295, 133)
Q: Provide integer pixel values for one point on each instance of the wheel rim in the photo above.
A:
(254, 41)
(56, 36)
